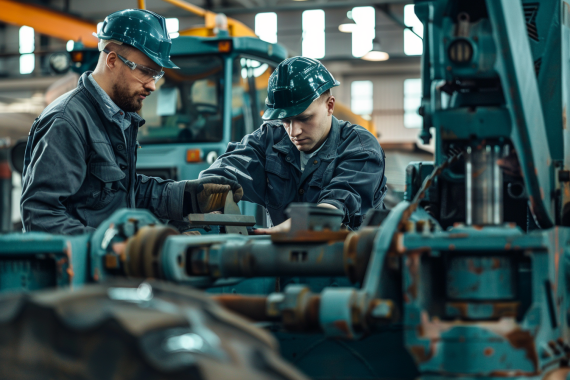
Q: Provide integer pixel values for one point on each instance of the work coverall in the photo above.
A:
(79, 166)
(347, 172)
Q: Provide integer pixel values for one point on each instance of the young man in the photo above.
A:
(305, 154)
(79, 165)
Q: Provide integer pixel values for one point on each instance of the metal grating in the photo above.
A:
(530, 11)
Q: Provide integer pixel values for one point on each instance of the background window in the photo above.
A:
(314, 33)
(412, 102)
(361, 97)
(27, 47)
(173, 26)
(365, 30)
(266, 26)
(413, 45)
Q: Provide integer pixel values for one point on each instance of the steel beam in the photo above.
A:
(309, 5)
(49, 22)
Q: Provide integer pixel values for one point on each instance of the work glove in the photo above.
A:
(209, 194)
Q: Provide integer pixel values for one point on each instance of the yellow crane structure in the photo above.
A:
(66, 27)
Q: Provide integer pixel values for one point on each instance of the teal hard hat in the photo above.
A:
(294, 85)
(142, 29)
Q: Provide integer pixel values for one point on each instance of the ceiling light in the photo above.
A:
(348, 25)
(376, 54)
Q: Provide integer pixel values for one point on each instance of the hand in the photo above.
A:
(280, 228)
(209, 194)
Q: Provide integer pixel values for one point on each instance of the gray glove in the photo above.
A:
(209, 194)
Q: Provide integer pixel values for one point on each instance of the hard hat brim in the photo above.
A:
(284, 113)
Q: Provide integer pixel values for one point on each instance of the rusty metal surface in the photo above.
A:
(221, 220)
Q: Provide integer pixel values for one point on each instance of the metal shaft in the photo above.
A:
(484, 185)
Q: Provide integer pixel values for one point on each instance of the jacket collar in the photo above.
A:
(327, 151)
(84, 82)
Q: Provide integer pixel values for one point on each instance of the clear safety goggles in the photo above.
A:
(142, 73)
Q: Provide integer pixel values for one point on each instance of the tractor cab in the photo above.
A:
(216, 97)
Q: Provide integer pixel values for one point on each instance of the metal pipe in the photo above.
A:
(253, 307)
(265, 259)
(141, 4)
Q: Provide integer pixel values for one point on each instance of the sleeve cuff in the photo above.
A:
(176, 201)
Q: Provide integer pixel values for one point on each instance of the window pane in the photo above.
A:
(314, 20)
(365, 30)
(188, 106)
(413, 87)
(413, 45)
(361, 97)
(27, 63)
(27, 43)
(412, 120)
(313, 45)
(173, 26)
(412, 102)
(266, 26)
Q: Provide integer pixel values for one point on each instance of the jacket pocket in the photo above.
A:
(277, 183)
(106, 186)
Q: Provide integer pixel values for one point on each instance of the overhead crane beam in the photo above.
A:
(48, 22)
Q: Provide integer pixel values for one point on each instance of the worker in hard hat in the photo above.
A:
(303, 153)
(79, 165)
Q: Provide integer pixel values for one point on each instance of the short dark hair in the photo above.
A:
(325, 95)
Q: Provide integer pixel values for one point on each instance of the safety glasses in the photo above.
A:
(141, 73)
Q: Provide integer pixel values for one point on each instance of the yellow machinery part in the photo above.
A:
(342, 112)
(49, 22)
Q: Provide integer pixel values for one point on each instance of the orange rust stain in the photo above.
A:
(496, 262)
(420, 354)
(474, 269)
(507, 247)
(524, 340)
(542, 193)
(96, 274)
(451, 247)
(476, 227)
(343, 326)
(536, 171)
(488, 351)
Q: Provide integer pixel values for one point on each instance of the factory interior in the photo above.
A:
(285, 189)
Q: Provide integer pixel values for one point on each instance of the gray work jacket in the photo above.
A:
(79, 168)
(348, 172)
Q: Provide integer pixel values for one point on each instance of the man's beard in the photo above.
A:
(128, 102)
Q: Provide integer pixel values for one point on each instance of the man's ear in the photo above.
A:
(111, 60)
(330, 105)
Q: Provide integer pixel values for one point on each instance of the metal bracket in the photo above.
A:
(232, 218)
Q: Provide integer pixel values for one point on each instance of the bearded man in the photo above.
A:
(79, 165)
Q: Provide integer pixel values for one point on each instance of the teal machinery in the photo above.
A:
(467, 277)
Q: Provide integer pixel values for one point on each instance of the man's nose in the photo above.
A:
(150, 86)
(295, 128)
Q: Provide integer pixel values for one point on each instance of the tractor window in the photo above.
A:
(249, 90)
(187, 105)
